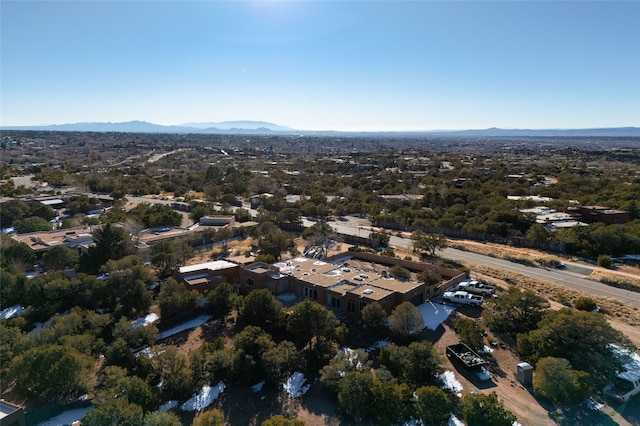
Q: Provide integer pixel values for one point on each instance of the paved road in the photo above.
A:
(360, 227)
(565, 278)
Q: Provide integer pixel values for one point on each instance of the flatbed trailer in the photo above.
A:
(467, 357)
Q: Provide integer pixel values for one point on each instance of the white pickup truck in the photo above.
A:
(463, 298)
(473, 286)
(626, 384)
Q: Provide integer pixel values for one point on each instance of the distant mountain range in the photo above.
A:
(263, 127)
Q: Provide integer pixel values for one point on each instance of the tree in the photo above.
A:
(116, 384)
(429, 277)
(52, 373)
(429, 243)
(167, 255)
(176, 372)
(159, 418)
(59, 258)
(554, 379)
(405, 319)
(356, 394)
(584, 303)
(31, 224)
(400, 273)
(110, 242)
(485, 410)
(174, 298)
(279, 360)
(261, 308)
(373, 315)
(280, 420)
(275, 243)
(379, 239)
(538, 233)
(390, 402)
(515, 311)
(221, 300)
(343, 362)
(310, 321)
(605, 261)
(432, 405)
(469, 332)
(583, 338)
(209, 418)
(12, 210)
(128, 281)
(117, 412)
(416, 364)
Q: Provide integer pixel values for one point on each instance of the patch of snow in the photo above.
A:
(167, 406)
(516, 424)
(377, 345)
(11, 312)
(486, 350)
(593, 405)
(196, 322)
(450, 382)
(257, 387)
(204, 398)
(413, 422)
(145, 321)
(67, 417)
(434, 314)
(454, 421)
(294, 385)
(286, 297)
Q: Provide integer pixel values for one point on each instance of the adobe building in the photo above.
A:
(339, 283)
(11, 414)
(593, 214)
(204, 277)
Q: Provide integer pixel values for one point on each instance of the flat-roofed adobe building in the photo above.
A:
(204, 277)
(338, 284)
(11, 414)
(77, 238)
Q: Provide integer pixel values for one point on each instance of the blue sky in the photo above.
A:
(323, 65)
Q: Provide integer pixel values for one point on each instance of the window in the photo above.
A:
(249, 282)
(351, 306)
(335, 302)
(362, 305)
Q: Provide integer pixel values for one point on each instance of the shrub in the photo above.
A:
(605, 261)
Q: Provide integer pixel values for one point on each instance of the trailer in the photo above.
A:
(466, 356)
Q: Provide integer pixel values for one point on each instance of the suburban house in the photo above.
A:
(346, 282)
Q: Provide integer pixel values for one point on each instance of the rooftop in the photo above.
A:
(210, 266)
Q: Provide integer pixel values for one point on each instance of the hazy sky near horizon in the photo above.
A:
(323, 65)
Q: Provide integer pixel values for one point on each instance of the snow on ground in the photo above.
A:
(434, 313)
(377, 345)
(196, 322)
(204, 398)
(450, 381)
(286, 297)
(454, 421)
(67, 417)
(11, 312)
(257, 387)
(145, 321)
(167, 406)
(294, 385)
(486, 350)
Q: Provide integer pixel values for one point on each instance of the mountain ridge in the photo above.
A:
(263, 127)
